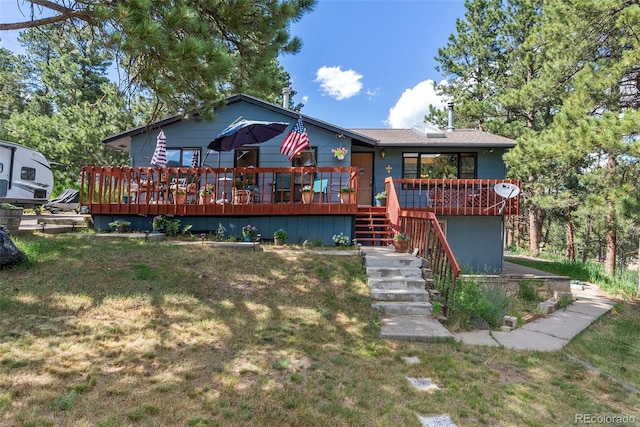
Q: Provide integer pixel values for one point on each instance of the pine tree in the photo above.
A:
(190, 53)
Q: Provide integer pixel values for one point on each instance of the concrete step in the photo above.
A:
(403, 308)
(391, 272)
(397, 282)
(414, 328)
(401, 261)
(400, 295)
(384, 256)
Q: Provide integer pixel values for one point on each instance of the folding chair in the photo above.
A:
(321, 186)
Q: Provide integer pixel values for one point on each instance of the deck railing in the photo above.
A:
(425, 235)
(219, 191)
(456, 196)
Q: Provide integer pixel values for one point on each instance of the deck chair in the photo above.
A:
(321, 186)
(282, 187)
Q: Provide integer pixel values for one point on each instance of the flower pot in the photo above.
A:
(179, 199)
(340, 156)
(347, 198)
(241, 197)
(278, 242)
(401, 245)
(307, 197)
(381, 202)
(247, 238)
(206, 199)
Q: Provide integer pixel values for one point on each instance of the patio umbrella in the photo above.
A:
(245, 132)
(159, 159)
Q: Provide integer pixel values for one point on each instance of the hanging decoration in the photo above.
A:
(340, 152)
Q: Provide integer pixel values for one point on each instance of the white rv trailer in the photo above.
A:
(26, 178)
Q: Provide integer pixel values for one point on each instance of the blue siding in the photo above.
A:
(476, 242)
(299, 228)
(199, 133)
(490, 164)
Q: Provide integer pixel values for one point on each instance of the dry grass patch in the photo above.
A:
(113, 333)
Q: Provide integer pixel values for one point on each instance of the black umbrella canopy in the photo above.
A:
(246, 132)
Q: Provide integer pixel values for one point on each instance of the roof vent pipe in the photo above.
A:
(285, 97)
(450, 127)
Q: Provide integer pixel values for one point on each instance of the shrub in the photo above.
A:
(340, 239)
(527, 290)
(280, 234)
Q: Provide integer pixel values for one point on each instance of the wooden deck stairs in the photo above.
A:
(372, 227)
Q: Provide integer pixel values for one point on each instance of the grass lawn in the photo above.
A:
(107, 332)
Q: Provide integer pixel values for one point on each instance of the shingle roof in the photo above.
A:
(458, 137)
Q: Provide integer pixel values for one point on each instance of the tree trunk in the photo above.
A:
(510, 231)
(587, 237)
(638, 260)
(536, 219)
(571, 245)
(610, 256)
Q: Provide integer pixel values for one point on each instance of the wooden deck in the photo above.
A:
(218, 191)
(474, 197)
(274, 191)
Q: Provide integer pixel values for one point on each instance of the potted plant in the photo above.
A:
(240, 193)
(206, 194)
(249, 232)
(180, 195)
(120, 226)
(307, 194)
(381, 198)
(279, 237)
(401, 242)
(340, 152)
(347, 195)
(10, 216)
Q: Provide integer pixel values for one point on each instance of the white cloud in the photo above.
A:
(337, 83)
(413, 105)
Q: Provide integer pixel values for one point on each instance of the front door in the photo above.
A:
(364, 163)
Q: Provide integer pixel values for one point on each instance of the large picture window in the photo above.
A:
(439, 165)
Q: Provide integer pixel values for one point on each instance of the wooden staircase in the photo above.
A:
(372, 227)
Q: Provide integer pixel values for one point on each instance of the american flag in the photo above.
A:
(296, 141)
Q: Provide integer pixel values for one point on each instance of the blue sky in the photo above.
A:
(368, 63)
(363, 64)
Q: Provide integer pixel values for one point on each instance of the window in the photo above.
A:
(247, 157)
(183, 157)
(28, 174)
(438, 165)
(306, 157)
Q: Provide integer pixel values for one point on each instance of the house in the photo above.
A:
(426, 172)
